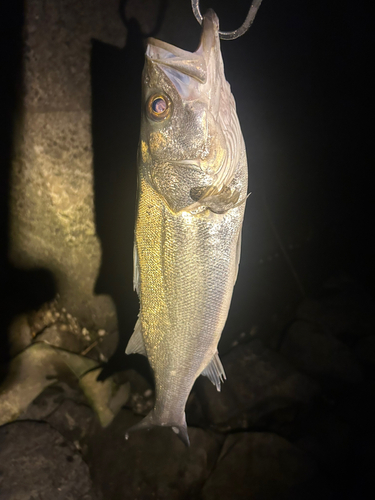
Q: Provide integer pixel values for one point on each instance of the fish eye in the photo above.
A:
(158, 107)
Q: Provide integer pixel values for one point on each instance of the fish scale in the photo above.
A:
(186, 249)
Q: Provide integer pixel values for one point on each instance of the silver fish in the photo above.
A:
(192, 191)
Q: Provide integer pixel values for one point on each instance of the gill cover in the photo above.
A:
(199, 77)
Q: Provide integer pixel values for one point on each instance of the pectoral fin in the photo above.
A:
(136, 344)
(135, 269)
(238, 254)
(215, 371)
(218, 200)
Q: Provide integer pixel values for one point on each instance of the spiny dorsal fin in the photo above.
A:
(215, 371)
(136, 344)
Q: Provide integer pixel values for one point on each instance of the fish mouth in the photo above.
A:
(193, 64)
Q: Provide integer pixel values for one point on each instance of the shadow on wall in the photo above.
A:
(22, 289)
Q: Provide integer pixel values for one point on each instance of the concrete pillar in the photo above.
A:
(52, 201)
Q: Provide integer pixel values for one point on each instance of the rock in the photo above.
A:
(41, 365)
(37, 462)
(73, 420)
(141, 399)
(108, 344)
(320, 355)
(262, 390)
(194, 409)
(65, 409)
(263, 466)
(150, 464)
(59, 328)
(58, 337)
(365, 353)
(45, 404)
(52, 222)
(31, 371)
(327, 439)
(364, 464)
(19, 334)
(346, 313)
(105, 397)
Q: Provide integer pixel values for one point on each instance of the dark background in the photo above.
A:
(301, 80)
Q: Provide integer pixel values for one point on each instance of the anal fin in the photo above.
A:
(215, 371)
(136, 344)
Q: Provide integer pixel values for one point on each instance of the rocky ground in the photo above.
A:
(294, 420)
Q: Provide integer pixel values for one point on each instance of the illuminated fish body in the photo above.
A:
(192, 191)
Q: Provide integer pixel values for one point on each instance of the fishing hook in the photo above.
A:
(230, 35)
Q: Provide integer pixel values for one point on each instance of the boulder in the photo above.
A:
(262, 390)
(365, 353)
(263, 466)
(320, 354)
(327, 438)
(150, 464)
(37, 462)
(346, 312)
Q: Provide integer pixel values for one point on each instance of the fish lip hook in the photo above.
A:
(230, 35)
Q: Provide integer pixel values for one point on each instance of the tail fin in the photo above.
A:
(150, 421)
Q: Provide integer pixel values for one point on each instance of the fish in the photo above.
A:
(192, 191)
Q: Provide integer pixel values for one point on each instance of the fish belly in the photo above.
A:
(187, 266)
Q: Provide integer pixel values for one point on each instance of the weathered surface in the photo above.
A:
(37, 462)
(34, 369)
(19, 334)
(151, 464)
(65, 409)
(41, 365)
(334, 438)
(52, 204)
(60, 329)
(142, 396)
(44, 345)
(261, 390)
(263, 466)
(46, 403)
(320, 354)
(105, 397)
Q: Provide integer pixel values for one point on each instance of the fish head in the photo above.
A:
(188, 118)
